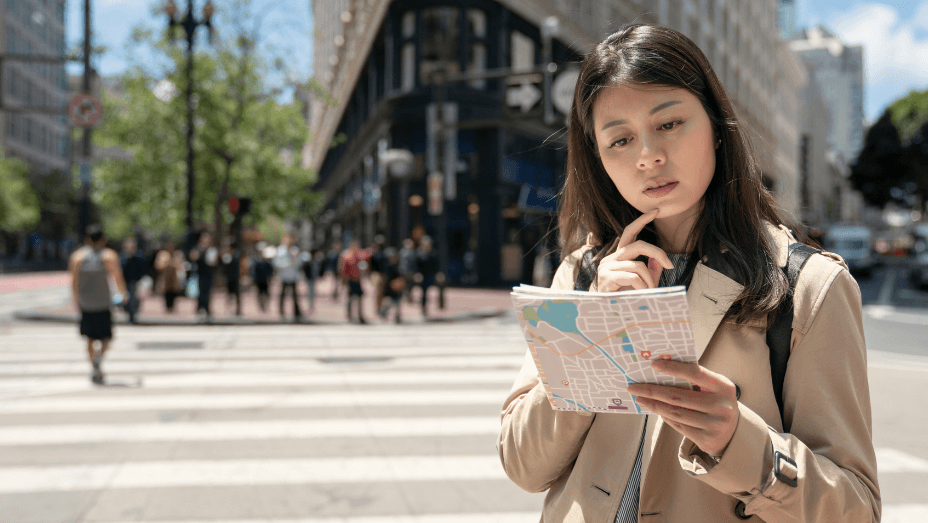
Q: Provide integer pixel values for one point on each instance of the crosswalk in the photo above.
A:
(272, 424)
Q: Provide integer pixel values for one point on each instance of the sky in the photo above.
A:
(287, 26)
(894, 34)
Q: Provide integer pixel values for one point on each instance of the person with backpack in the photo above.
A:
(662, 188)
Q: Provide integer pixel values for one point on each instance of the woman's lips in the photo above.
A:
(657, 192)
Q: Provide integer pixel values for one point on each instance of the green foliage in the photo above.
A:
(893, 163)
(245, 143)
(19, 206)
(910, 113)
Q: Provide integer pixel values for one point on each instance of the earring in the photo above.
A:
(718, 143)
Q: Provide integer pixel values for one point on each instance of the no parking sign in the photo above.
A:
(85, 110)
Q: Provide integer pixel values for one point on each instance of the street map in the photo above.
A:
(589, 346)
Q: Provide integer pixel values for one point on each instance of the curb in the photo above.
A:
(39, 316)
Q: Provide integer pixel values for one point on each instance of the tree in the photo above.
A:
(19, 206)
(880, 166)
(247, 143)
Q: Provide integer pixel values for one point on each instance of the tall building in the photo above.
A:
(838, 69)
(786, 18)
(40, 139)
(31, 27)
(377, 60)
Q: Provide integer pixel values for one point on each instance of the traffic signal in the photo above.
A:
(239, 206)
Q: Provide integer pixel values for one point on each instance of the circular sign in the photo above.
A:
(562, 90)
(85, 110)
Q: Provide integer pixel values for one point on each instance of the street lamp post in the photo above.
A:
(190, 24)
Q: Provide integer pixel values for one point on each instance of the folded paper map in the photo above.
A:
(589, 346)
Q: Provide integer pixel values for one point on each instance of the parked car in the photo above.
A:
(854, 243)
(920, 250)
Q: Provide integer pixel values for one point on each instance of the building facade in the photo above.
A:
(40, 139)
(377, 61)
(838, 69)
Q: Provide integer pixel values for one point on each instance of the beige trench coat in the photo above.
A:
(584, 460)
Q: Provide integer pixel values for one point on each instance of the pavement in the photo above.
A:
(461, 304)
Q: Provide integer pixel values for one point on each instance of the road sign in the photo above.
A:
(562, 90)
(525, 96)
(85, 110)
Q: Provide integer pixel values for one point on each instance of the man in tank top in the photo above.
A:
(92, 266)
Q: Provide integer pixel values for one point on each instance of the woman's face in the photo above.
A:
(658, 147)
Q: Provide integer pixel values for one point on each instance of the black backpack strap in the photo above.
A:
(780, 330)
(587, 273)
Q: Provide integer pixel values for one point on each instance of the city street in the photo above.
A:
(332, 423)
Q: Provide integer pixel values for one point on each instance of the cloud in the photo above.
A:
(895, 51)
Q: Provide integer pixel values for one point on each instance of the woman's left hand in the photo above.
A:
(707, 415)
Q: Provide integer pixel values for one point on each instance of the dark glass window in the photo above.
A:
(440, 42)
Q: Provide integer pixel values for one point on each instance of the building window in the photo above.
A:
(409, 67)
(440, 42)
(478, 23)
(478, 63)
(409, 24)
(523, 52)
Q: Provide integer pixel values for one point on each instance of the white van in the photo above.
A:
(854, 243)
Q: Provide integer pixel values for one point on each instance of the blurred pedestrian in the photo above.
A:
(91, 268)
(408, 266)
(134, 267)
(313, 264)
(169, 269)
(427, 265)
(331, 267)
(262, 269)
(352, 264)
(376, 270)
(287, 265)
(231, 263)
(394, 285)
(205, 258)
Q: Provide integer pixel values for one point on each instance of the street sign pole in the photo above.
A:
(88, 159)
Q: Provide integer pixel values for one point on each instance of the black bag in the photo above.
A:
(781, 328)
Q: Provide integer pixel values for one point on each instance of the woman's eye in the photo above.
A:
(669, 125)
(620, 142)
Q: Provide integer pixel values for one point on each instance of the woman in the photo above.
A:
(169, 264)
(659, 168)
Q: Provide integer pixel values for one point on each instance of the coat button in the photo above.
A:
(739, 511)
(737, 392)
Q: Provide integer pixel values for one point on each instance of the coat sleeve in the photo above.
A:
(538, 444)
(824, 468)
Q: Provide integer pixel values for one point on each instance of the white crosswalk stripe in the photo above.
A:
(302, 424)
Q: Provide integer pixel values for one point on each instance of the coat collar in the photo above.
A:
(710, 294)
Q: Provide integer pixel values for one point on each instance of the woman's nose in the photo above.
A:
(650, 156)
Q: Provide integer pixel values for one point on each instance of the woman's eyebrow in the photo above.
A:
(657, 108)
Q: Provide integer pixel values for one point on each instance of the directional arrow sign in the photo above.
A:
(525, 96)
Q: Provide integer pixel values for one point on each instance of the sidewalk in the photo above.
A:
(461, 304)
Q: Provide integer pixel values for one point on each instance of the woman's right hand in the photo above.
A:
(620, 271)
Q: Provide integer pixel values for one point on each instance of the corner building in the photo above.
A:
(376, 61)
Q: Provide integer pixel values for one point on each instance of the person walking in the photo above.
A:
(205, 258)
(393, 287)
(408, 267)
(427, 266)
(313, 264)
(662, 188)
(287, 264)
(262, 269)
(91, 268)
(352, 264)
(134, 267)
(376, 270)
(231, 267)
(331, 267)
(169, 268)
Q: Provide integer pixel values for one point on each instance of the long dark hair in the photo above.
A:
(736, 204)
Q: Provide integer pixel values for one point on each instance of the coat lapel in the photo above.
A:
(710, 294)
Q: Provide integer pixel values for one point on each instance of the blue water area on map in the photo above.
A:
(628, 348)
(643, 308)
(562, 315)
(613, 302)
